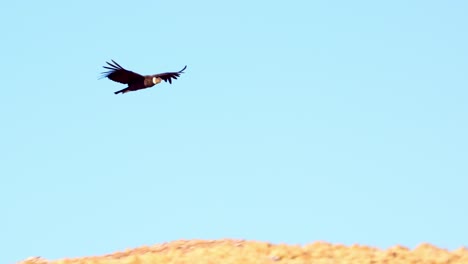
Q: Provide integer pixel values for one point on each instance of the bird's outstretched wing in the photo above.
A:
(168, 76)
(119, 74)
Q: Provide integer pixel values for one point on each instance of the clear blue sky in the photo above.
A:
(295, 121)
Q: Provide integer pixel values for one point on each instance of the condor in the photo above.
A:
(134, 80)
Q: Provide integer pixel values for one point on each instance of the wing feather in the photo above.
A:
(168, 76)
(119, 74)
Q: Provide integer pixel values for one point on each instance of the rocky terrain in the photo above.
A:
(253, 252)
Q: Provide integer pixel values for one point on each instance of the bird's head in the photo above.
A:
(156, 80)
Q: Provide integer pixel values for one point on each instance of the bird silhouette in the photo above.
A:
(136, 81)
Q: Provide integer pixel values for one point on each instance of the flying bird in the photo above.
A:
(134, 80)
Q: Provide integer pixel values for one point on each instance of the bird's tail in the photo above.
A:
(121, 91)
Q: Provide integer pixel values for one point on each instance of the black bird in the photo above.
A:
(134, 80)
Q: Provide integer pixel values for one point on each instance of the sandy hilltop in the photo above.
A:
(253, 252)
